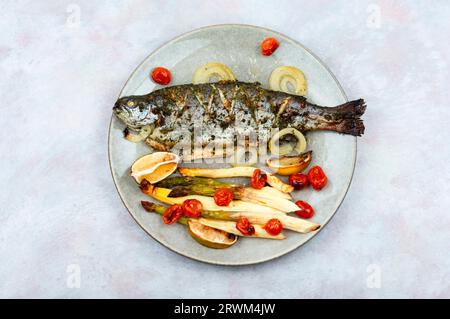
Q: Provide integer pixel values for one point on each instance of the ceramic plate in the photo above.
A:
(238, 47)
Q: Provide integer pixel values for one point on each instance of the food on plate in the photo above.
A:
(289, 222)
(288, 165)
(226, 109)
(161, 210)
(274, 226)
(172, 214)
(305, 211)
(162, 194)
(259, 179)
(154, 167)
(317, 177)
(245, 227)
(139, 136)
(267, 196)
(243, 171)
(192, 208)
(288, 79)
(207, 236)
(269, 45)
(298, 181)
(230, 227)
(213, 70)
(161, 75)
(223, 196)
(291, 139)
(216, 115)
(210, 237)
(227, 224)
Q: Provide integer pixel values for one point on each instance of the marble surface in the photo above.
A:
(63, 229)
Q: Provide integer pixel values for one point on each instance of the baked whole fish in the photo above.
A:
(223, 110)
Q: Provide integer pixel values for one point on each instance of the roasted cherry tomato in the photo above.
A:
(172, 214)
(273, 226)
(223, 196)
(192, 208)
(161, 75)
(269, 45)
(244, 226)
(306, 210)
(317, 177)
(258, 179)
(298, 181)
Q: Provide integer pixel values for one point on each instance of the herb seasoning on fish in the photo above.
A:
(224, 110)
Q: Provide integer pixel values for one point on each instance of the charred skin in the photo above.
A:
(223, 109)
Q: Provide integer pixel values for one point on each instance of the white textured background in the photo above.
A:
(59, 77)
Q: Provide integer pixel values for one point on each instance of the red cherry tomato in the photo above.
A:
(223, 196)
(258, 179)
(192, 208)
(244, 226)
(161, 75)
(306, 210)
(269, 45)
(273, 226)
(172, 214)
(298, 181)
(317, 177)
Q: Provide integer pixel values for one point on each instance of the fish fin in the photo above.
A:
(351, 113)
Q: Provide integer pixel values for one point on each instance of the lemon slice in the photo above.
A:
(288, 165)
(211, 237)
(154, 167)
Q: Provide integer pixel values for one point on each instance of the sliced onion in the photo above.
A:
(239, 157)
(282, 76)
(204, 73)
(139, 136)
(280, 150)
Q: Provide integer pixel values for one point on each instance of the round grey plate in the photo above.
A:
(238, 47)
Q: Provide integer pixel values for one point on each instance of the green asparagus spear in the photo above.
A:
(184, 185)
(159, 209)
(151, 207)
(187, 181)
(292, 223)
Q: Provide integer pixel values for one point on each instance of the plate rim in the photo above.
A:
(207, 261)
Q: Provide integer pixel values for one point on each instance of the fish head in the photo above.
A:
(135, 112)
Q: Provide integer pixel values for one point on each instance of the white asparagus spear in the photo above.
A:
(161, 194)
(230, 227)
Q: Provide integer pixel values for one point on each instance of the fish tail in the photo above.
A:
(347, 118)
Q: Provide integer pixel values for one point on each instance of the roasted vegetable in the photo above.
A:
(289, 222)
(230, 227)
(225, 224)
(243, 171)
(162, 194)
(288, 165)
(267, 196)
(154, 208)
(210, 70)
(284, 76)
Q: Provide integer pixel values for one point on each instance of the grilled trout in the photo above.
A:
(220, 111)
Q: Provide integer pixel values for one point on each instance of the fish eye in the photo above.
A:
(131, 103)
